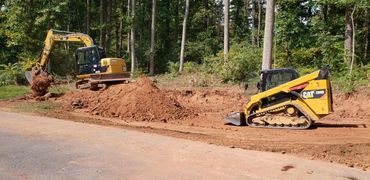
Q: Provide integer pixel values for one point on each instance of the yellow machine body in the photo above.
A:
(114, 65)
(295, 104)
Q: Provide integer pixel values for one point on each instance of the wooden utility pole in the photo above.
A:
(152, 39)
(132, 37)
(226, 30)
(181, 68)
(269, 34)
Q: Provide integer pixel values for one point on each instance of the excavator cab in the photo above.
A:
(88, 60)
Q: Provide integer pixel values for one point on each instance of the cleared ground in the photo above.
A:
(45, 148)
(197, 114)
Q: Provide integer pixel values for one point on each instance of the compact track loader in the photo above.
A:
(286, 100)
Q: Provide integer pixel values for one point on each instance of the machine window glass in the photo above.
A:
(278, 78)
(82, 58)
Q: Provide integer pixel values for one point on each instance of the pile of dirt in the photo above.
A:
(210, 100)
(352, 105)
(140, 100)
(40, 84)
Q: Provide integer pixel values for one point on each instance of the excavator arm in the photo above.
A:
(54, 36)
(39, 79)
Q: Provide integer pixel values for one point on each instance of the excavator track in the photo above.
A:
(278, 118)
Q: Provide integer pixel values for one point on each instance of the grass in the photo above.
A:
(39, 107)
(61, 89)
(13, 91)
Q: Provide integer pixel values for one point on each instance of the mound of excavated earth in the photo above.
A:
(141, 100)
(353, 105)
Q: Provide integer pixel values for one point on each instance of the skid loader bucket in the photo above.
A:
(236, 118)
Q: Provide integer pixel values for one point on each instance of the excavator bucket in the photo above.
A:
(236, 118)
(29, 76)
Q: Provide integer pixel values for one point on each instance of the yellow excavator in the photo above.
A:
(93, 69)
(286, 100)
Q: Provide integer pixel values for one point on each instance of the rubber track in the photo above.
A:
(286, 126)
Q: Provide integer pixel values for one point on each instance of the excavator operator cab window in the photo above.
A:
(87, 60)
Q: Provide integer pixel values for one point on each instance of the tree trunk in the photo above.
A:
(87, 28)
(269, 34)
(141, 29)
(152, 39)
(102, 24)
(367, 24)
(254, 22)
(128, 34)
(226, 30)
(324, 12)
(132, 37)
(246, 15)
(120, 29)
(348, 36)
(108, 28)
(259, 22)
(181, 68)
(353, 40)
(177, 22)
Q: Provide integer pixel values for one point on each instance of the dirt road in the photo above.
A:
(45, 148)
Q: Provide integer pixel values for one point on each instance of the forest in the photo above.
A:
(224, 40)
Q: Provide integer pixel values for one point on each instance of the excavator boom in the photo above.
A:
(52, 37)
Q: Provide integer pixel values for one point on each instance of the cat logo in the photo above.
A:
(313, 94)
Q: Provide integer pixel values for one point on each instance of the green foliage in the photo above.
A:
(12, 91)
(345, 82)
(173, 67)
(244, 63)
(309, 34)
(61, 89)
(9, 73)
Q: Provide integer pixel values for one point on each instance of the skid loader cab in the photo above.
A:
(88, 60)
(272, 78)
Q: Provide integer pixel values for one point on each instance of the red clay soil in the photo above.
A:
(198, 114)
(40, 84)
(141, 100)
(352, 105)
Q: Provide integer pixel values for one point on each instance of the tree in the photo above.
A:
(181, 68)
(348, 35)
(109, 27)
(269, 33)
(226, 29)
(88, 6)
(102, 24)
(152, 40)
(366, 25)
(132, 38)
